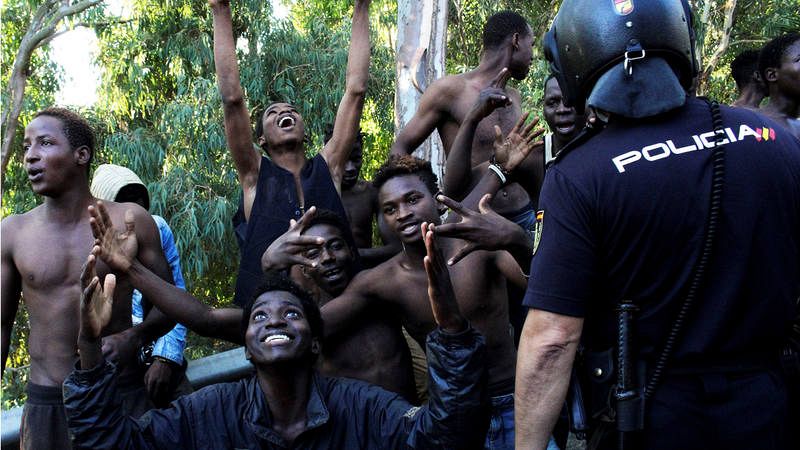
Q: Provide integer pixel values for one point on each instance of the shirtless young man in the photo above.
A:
(406, 189)
(42, 254)
(281, 187)
(751, 87)
(507, 42)
(360, 200)
(779, 64)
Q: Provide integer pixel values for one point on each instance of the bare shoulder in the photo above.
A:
(11, 225)
(443, 91)
(379, 279)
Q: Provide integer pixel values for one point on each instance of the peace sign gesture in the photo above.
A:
(288, 249)
(492, 96)
(483, 230)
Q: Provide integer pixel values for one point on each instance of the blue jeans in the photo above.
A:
(501, 426)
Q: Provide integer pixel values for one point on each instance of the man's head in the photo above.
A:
(508, 31)
(634, 59)
(281, 323)
(779, 64)
(562, 120)
(335, 258)
(59, 145)
(744, 70)
(353, 167)
(280, 125)
(406, 188)
(119, 184)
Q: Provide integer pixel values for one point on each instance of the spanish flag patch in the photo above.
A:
(537, 231)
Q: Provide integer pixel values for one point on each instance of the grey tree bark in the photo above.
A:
(421, 46)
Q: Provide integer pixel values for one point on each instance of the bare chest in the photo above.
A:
(50, 257)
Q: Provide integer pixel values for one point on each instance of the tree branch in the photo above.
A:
(724, 41)
(41, 30)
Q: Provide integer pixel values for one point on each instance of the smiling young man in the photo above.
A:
(286, 404)
(283, 185)
(406, 189)
(42, 254)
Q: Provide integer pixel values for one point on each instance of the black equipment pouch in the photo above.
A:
(598, 371)
(578, 423)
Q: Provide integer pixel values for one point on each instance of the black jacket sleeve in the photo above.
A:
(455, 415)
(96, 422)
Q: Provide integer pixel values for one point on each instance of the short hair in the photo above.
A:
(277, 281)
(77, 129)
(743, 67)
(772, 53)
(399, 165)
(329, 134)
(327, 217)
(501, 25)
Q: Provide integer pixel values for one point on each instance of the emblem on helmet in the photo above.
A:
(623, 7)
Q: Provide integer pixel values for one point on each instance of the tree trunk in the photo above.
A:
(41, 29)
(421, 44)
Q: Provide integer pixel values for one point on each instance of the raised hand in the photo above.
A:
(486, 230)
(96, 302)
(287, 250)
(492, 96)
(510, 151)
(440, 289)
(116, 249)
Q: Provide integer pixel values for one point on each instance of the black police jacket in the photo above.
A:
(341, 413)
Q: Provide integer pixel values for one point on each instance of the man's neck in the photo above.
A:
(783, 105)
(749, 98)
(491, 63)
(69, 206)
(292, 159)
(286, 388)
(412, 255)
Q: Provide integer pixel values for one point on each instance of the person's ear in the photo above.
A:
(515, 41)
(247, 354)
(82, 155)
(771, 74)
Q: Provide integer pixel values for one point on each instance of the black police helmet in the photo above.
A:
(642, 49)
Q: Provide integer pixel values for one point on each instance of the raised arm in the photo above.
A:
(430, 114)
(344, 311)
(457, 175)
(348, 116)
(11, 285)
(238, 131)
(177, 304)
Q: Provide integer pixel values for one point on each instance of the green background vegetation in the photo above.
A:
(159, 110)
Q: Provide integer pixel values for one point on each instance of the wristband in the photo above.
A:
(499, 172)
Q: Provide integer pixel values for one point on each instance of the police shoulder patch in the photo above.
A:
(537, 231)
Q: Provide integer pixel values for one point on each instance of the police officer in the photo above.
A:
(647, 211)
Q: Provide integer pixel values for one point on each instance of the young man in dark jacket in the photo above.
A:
(286, 404)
